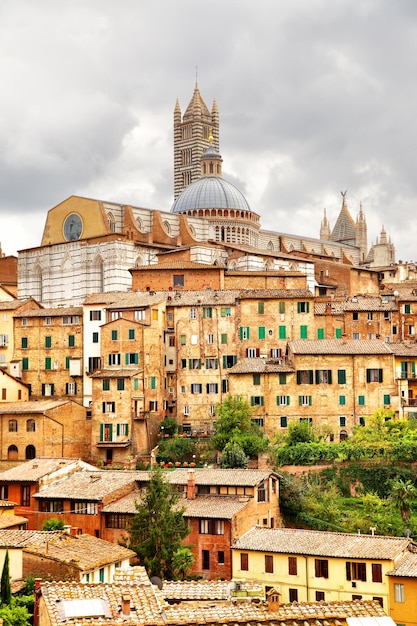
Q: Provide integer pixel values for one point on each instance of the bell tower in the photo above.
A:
(192, 133)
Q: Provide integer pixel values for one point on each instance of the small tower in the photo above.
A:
(362, 234)
(191, 139)
(325, 228)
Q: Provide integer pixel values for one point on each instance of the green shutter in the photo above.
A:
(338, 333)
(300, 400)
(131, 333)
(224, 338)
(67, 362)
(403, 369)
(282, 307)
(114, 335)
(341, 377)
(48, 342)
(24, 342)
(153, 382)
(303, 332)
(135, 384)
(288, 400)
(361, 400)
(282, 331)
(320, 333)
(298, 307)
(261, 307)
(282, 377)
(48, 363)
(71, 341)
(342, 400)
(261, 332)
(387, 398)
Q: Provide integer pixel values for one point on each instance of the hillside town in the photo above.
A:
(124, 317)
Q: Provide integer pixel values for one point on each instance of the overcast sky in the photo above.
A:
(315, 97)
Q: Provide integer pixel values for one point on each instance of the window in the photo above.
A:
(293, 595)
(320, 333)
(12, 426)
(85, 508)
(47, 389)
(178, 280)
(196, 388)
(282, 378)
(276, 353)
(261, 332)
(361, 400)
(362, 421)
(101, 574)
(132, 358)
(105, 384)
(95, 316)
(323, 377)
(304, 377)
(211, 527)
(387, 398)
(225, 385)
(25, 363)
(94, 363)
(269, 564)
(305, 400)
(374, 375)
(355, 316)
(117, 520)
(115, 315)
(341, 377)
(355, 571)
(229, 360)
(210, 338)
(108, 407)
(153, 382)
(71, 341)
(244, 332)
(120, 384)
(319, 596)
(342, 400)
(321, 568)
(48, 342)
(356, 335)
(399, 592)
(252, 353)
(4, 492)
(48, 363)
(48, 321)
(193, 314)
(256, 379)
(376, 573)
(303, 307)
(30, 426)
(370, 316)
(114, 335)
(186, 410)
(207, 311)
(257, 401)
(25, 495)
(24, 343)
(70, 389)
(194, 340)
(194, 364)
(283, 400)
(292, 565)
(212, 364)
(303, 332)
(206, 559)
(263, 492)
(95, 337)
(407, 309)
(212, 388)
(220, 557)
(114, 359)
(139, 315)
(71, 319)
(342, 421)
(244, 561)
(131, 333)
(283, 421)
(223, 338)
(282, 332)
(24, 321)
(261, 308)
(225, 311)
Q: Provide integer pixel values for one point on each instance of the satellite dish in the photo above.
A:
(155, 580)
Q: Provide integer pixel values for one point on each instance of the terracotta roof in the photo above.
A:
(9, 521)
(233, 477)
(83, 552)
(32, 471)
(55, 312)
(88, 485)
(22, 538)
(102, 602)
(356, 304)
(260, 366)
(126, 504)
(178, 264)
(34, 406)
(125, 299)
(124, 372)
(406, 567)
(405, 348)
(339, 346)
(11, 304)
(206, 589)
(319, 543)
(215, 507)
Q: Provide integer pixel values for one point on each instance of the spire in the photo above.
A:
(325, 228)
(211, 160)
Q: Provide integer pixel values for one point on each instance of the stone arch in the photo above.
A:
(12, 453)
(139, 224)
(167, 227)
(270, 245)
(30, 452)
(112, 221)
(97, 272)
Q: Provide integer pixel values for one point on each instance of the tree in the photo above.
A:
(236, 425)
(15, 615)
(53, 524)
(5, 591)
(169, 426)
(158, 527)
(182, 562)
(175, 450)
(402, 492)
(300, 432)
(233, 456)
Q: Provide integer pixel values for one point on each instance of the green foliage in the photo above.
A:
(14, 614)
(169, 426)
(233, 456)
(306, 453)
(175, 450)
(182, 562)
(158, 527)
(53, 524)
(402, 492)
(6, 590)
(235, 425)
(299, 432)
(291, 496)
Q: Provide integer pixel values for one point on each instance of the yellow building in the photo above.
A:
(403, 590)
(311, 565)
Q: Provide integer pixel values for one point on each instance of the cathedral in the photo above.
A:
(91, 246)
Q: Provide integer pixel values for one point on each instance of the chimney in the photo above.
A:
(125, 604)
(191, 485)
(273, 599)
(67, 529)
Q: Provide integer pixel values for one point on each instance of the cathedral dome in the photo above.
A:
(210, 192)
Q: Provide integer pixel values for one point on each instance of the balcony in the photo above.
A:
(140, 415)
(108, 443)
(408, 376)
(411, 402)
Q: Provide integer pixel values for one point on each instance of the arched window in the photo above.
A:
(167, 227)
(139, 223)
(30, 426)
(12, 453)
(112, 222)
(30, 452)
(343, 435)
(12, 426)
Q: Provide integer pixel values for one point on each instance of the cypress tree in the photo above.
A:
(5, 590)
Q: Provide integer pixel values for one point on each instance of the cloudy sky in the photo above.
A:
(315, 97)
